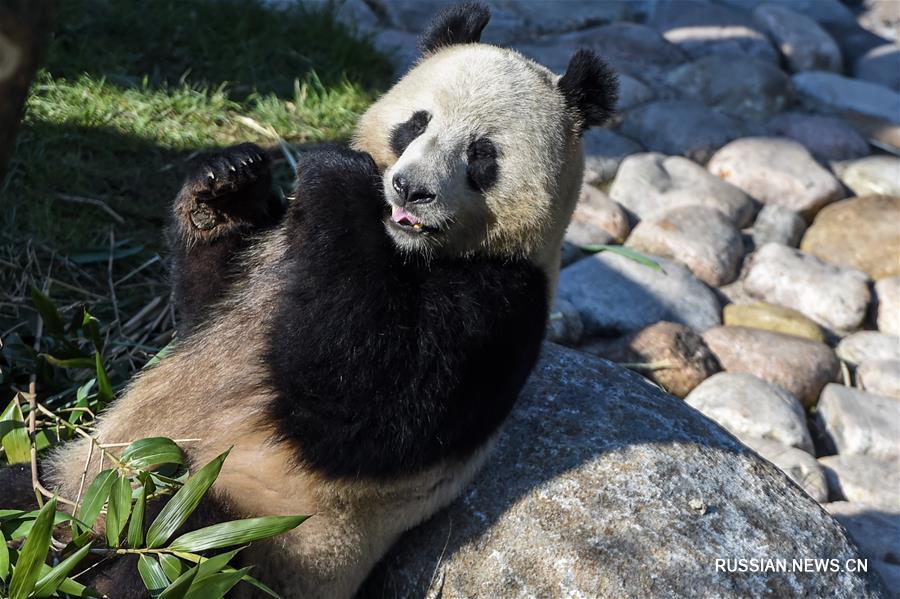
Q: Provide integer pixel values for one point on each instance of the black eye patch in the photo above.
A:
(403, 134)
(483, 167)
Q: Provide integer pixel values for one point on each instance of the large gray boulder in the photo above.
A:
(603, 486)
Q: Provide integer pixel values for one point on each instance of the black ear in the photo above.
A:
(591, 88)
(459, 24)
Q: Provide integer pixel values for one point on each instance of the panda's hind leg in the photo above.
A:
(225, 199)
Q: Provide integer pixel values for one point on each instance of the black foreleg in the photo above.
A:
(227, 197)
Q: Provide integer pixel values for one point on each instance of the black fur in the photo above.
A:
(591, 88)
(16, 492)
(483, 164)
(226, 197)
(405, 133)
(458, 24)
(383, 364)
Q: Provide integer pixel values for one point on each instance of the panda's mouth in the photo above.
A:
(408, 222)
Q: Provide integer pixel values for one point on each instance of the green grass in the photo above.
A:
(129, 94)
(130, 90)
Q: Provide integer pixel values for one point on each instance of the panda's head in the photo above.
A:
(481, 147)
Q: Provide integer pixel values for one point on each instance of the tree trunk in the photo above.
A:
(24, 30)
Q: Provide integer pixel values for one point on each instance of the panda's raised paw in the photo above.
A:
(227, 189)
(227, 172)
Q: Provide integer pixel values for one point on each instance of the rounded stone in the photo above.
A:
(604, 151)
(633, 92)
(861, 233)
(769, 317)
(700, 28)
(880, 65)
(801, 366)
(701, 238)
(800, 466)
(835, 297)
(881, 377)
(887, 292)
(868, 346)
(604, 212)
(749, 407)
(872, 175)
(671, 355)
(859, 423)
(803, 43)
(777, 224)
(863, 479)
(837, 94)
(746, 88)
(597, 220)
(685, 127)
(564, 325)
(616, 295)
(777, 170)
(630, 48)
(651, 184)
(827, 138)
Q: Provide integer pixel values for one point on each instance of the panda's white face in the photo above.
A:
(437, 188)
(473, 142)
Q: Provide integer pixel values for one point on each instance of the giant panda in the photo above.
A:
(360, 347)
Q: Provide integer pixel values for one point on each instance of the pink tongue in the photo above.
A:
(399, 216)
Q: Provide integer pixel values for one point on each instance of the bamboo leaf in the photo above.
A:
(33, 553)
(184, 502)
(259, 585)
(4, 558)
(104, 389)
(215, 586)
(625, 252)
(79, 362)
(50, 582)
(215, 564)
(236, 532)
(152, 574)
(53, 323)
(91, 328)
(171, 565)
(168, 349)
(85, 390)
(71, 587)
(152, 451)
(14, 433)
(95, 496)
(22, 528)
(74, 588)
(136, 525)
(179, 588)
(117, 510)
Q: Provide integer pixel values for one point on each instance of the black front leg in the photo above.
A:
(386, 363)
(227, 197)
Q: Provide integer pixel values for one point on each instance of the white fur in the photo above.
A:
(476, 90)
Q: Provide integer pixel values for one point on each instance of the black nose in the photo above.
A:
(410, 194)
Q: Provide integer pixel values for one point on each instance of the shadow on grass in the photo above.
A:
(131, 90)
(242, 43)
